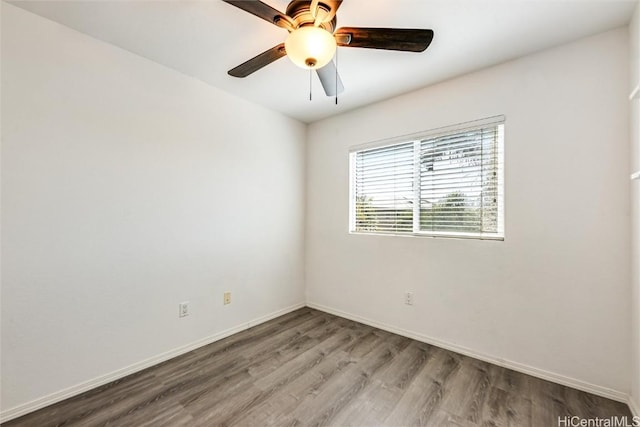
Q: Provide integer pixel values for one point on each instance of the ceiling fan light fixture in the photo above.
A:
(310, 47)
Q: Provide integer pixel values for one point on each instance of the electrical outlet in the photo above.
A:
(183, 309)
(227, 298)
(408, 298)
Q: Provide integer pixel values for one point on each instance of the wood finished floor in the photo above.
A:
(310, 368)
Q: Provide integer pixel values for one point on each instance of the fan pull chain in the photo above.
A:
(336, 76)
(310, 72)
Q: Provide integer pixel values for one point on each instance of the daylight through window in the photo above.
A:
(448, 182)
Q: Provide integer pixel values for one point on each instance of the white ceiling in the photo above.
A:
(204, 39)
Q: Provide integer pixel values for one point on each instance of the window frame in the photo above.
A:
(416, 139)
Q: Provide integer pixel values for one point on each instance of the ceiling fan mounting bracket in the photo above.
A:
(285, 22)
(343, 39)
(321, 8)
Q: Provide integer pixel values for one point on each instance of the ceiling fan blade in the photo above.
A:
(261, 10)
(405, 39)
(259, 61)
(330, 79)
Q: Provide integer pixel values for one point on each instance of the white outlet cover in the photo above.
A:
(408, 298)
(183, 309)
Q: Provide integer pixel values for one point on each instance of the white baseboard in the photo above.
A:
(529, 370)
(633, 406)
(77, 389)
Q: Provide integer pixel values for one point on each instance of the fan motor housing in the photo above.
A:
(300, 12)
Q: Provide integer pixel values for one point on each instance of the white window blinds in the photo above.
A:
(448, 182)
(384, 186)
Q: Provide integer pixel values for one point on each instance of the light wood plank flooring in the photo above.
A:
(310, 368)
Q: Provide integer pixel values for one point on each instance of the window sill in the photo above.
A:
(444, 235)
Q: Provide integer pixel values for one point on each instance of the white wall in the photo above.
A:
(126, 189)
(554, 296)
(634, 164)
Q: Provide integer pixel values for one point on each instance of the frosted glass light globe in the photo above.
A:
(310, 47)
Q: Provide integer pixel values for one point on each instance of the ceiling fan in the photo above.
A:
(313, 38)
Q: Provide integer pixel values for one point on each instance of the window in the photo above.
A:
(447, 182)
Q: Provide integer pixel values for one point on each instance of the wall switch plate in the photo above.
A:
(227, 298)
(408, 298)
(183, 309)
